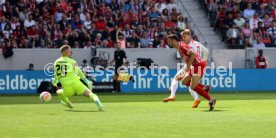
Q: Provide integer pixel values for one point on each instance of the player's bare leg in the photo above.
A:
(96, 99)
(194, 85)
(63, 99)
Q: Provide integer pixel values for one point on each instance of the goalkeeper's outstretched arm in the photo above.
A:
(83, 77)
(79, 72)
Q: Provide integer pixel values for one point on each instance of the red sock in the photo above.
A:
(201, 92)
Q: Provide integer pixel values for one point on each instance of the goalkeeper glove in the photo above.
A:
(54, 82)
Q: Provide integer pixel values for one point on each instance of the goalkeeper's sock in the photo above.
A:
(193, 93)
(174, 86)
(64, 99)
(97, 101)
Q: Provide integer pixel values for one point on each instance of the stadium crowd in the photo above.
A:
(89, 23)
(244, 23)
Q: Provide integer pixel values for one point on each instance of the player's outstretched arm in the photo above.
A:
(83, 77)
(205, 52)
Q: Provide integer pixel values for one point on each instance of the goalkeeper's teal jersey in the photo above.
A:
(66, 68)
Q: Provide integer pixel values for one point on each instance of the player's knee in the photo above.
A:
(59, 91)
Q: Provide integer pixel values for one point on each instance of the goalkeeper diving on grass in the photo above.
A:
(72, 79)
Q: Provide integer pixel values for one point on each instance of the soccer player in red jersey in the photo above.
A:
(200, 50)
(195, 73)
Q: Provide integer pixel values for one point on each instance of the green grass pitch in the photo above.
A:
(140, 116)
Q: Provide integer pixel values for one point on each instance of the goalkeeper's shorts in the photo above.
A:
(73, 87)
(125, 77)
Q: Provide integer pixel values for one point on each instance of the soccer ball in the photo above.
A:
(45, 96)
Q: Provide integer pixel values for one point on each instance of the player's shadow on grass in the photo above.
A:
(82, 110)
(214, 110)
(52, 114)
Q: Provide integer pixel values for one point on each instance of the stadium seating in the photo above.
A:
(88, 23)
(243, 23)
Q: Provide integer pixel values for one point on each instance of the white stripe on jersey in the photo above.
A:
(201, 50)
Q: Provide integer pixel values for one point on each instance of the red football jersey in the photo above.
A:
(183, 51)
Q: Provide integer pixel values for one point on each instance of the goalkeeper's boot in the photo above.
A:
(70, 105)
(98, 102)
(196, 103)
(169, 99)
(212, 104)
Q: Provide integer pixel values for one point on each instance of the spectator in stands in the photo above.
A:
(88, 45)
(253, 22)
(267, 21)
(247, 32)
(7, 49)
(272, 32)
(59, 41)
(169, 24)
(63, 23)
(104, 44)
(258, 44)
(181, 24)
(162, 44)
(31, 67)
(42, 44)
(160, 5)
(239, 21)
(7, 31)
(48, 41)
(133, 41)
(227, 23)
(121, 39)
(212, 9)
(127, 31)
(261, 62)
(36, 43)
(145, 40)
(58, 15)
(100, 23)
(174, 15)
(15, 22)
(76, 44)
(263, 34)
(32, 32)
(153, 14)
(29, 22)
(233, 36)
(98, 40)
(165, 14)
(249, 12)
(87, 23)
(171, 5)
